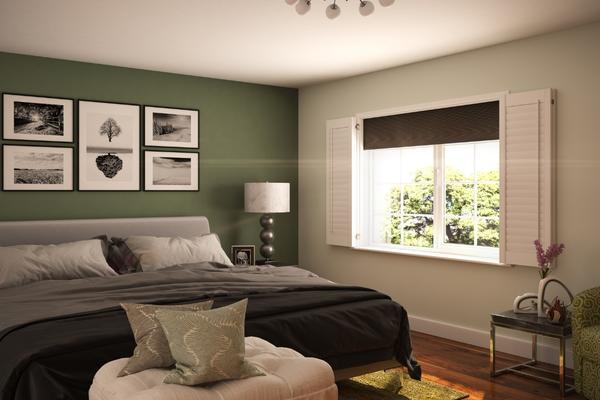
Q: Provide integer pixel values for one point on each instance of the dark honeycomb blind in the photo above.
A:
(468, 123)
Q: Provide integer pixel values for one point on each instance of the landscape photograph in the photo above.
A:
(172, 127)
(172, 171)
(34, 168)
(38, 119)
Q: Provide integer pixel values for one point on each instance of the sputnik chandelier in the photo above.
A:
(333, 9)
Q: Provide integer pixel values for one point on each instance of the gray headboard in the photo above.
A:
(53, 232)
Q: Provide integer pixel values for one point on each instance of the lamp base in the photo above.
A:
(267, 236)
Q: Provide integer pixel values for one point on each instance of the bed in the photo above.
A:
(54, 335)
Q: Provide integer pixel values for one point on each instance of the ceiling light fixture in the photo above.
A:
(333, 10)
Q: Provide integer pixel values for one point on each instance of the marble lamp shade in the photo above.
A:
(267, 198)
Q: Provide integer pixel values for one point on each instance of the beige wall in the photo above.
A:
(454, 292)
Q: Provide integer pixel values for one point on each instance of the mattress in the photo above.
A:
(288, 375)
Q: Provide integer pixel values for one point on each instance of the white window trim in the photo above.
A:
(364, 199)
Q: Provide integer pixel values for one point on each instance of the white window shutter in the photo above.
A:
(528, 163)
(341, 153)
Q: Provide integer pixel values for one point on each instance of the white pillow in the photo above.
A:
(156, 253)
(24, 264)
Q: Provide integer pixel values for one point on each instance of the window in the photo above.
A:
(454, 211)
(402, 186)
(472, 194)
(468, 178)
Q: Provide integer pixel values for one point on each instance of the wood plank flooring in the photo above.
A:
(466, 368)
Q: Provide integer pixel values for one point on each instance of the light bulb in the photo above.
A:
(365, 8)
(386, 3)
(290, 2)
(303, 7)
(333, 11)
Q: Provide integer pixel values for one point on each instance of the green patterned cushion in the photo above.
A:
(588, 385)
(589, 343)
(208, 346)
(585, 314)
(152, 350)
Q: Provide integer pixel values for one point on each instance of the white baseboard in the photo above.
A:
(547, 352)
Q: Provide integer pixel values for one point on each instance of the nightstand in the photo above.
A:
(273, 263)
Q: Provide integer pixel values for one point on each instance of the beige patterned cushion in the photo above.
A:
(152, 350)
(208, 346)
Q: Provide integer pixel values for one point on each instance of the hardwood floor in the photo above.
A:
(466, 368)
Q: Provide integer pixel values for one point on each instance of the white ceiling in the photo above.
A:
(267, 41)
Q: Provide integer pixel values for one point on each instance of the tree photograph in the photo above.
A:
(110, 129)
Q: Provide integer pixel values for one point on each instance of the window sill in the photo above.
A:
(432, 254)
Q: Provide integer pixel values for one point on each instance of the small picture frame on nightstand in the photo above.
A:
(242, 255)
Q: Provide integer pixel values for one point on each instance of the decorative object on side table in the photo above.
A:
(557, 313)
(536, 303)
(545, 259)
(267, 198)
(243, 254)
(109, 146)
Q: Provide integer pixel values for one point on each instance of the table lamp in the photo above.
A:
(267, 198)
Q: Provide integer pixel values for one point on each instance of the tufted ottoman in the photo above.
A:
(289, 375)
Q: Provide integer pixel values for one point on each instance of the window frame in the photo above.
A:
(365, 197)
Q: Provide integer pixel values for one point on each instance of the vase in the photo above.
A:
(541, 302)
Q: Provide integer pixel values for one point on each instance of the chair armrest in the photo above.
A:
(585, 310)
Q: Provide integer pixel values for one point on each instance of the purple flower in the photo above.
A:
(545, 258)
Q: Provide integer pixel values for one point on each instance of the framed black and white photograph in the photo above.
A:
(171, 127)
(37, 168)
(109, 146)
(46, 119)
(170, 171)
(242, 254)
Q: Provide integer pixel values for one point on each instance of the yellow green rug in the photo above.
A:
(391, 385)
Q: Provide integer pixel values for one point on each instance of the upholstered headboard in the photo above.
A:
(53, 232)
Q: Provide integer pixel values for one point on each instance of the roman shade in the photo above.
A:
(466, 123)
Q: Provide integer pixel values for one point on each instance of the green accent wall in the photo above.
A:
(248, 133)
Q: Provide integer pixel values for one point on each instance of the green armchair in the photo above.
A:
(585, 316)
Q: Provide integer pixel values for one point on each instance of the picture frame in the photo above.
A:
(109, 146)
(170, 171)
(171, 127)
(243, 254)
(37, 118)
(37, 168)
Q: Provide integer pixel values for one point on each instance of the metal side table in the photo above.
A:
(536, 326)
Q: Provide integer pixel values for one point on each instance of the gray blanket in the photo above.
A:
(52, 299)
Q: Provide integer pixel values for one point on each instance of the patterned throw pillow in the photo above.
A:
(152, 350)
(208, 346)
(121, 258)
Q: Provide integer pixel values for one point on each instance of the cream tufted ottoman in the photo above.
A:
(289, 375)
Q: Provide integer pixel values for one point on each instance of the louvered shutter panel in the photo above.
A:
(341, 149)
(528, 201)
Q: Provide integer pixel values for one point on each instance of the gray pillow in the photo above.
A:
(208, 346)
(152, 350)
(23, 264)
(157, 253)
